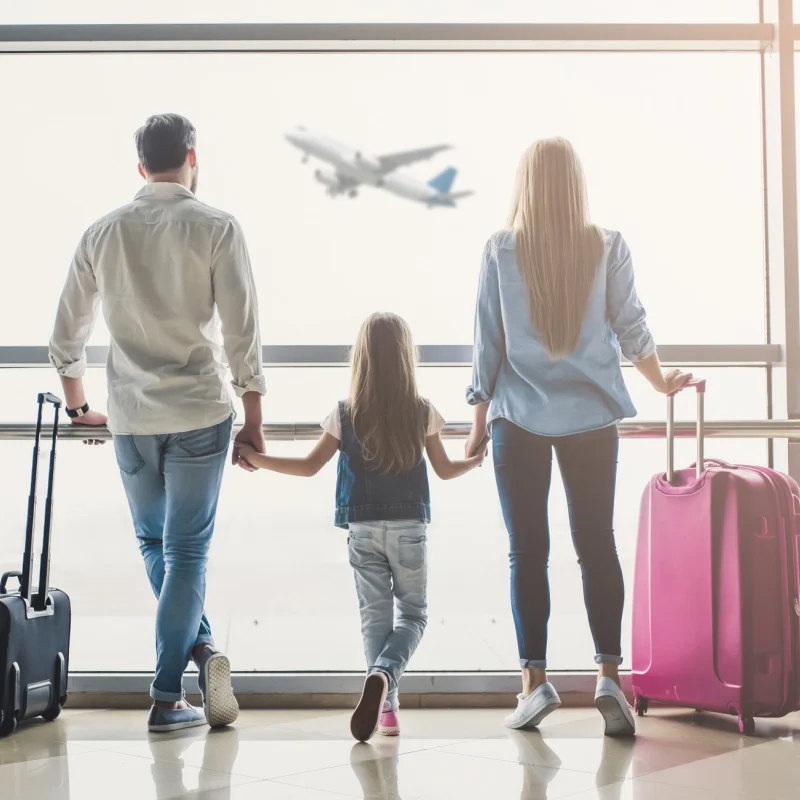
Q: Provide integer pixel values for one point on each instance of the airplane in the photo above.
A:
(350, 169)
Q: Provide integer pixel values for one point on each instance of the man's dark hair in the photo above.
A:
(162, 142)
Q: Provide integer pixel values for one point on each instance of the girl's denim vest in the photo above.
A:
(364, 495)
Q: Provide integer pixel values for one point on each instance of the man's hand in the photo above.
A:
(91, 419)
(252, 438)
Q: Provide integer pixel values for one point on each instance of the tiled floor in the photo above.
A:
(463, 754)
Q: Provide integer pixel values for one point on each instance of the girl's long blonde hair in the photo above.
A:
(558, 248)
(386, 411)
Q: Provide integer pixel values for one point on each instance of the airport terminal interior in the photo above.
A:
(369, 152)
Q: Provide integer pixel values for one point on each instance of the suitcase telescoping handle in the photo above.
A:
(700, 389)
(39, 601)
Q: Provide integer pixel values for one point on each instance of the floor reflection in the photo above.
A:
(219, 757)
(376, 766)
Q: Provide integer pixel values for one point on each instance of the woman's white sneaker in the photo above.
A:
(613, 705)
(531, 710)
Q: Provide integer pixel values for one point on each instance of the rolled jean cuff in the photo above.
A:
(604, 659)
(166, 697)
(532, 663)
(203, 638)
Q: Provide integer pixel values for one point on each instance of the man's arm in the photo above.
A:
(77, 311)
(235, 296)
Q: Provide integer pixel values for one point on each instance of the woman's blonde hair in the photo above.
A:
(386, 411)
(558, 248)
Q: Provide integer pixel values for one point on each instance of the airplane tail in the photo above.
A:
(443, 182)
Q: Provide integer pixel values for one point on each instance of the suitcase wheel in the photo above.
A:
(747, 725)
(8, 726)
(52, 713)
(640, 706)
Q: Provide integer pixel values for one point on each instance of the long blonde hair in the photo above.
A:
(558, 248)
(386, 411)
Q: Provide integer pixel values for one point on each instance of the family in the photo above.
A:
(556, 309)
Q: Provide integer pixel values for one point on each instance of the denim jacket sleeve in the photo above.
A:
(625, 312)
(489, 340)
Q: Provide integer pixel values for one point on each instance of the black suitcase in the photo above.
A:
(34, 626)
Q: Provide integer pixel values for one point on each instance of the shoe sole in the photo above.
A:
(388, 731)
(536, 720)
(366, 717)
(175, 726)
(220, 703)
(616, 721)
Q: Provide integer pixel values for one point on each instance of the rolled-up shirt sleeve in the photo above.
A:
(75, 318)
(489, 339)
(235, 296)
(625, 312)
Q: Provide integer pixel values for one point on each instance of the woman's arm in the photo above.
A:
(629, 322)
(441, 463)
(489, 344)
(324, 450)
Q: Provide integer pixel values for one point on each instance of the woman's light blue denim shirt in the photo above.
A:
(511, 368)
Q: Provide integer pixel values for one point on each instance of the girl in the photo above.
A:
(556, 305)
(383, 500)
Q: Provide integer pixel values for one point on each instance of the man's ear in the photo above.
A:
(142, 172)
(191, 157)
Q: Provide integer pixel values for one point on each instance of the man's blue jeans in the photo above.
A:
(173, 482)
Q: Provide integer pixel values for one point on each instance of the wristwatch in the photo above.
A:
(77, 412)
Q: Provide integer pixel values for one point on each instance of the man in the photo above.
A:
(162, 267)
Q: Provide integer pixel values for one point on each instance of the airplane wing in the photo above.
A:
(394, 161)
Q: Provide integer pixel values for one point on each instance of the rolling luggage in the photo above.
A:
(716, 616)
(34, 625)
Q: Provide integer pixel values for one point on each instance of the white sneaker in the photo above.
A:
(531, 710)
(613, 705)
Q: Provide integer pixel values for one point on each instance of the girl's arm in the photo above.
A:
(441, 463)
(307, 466)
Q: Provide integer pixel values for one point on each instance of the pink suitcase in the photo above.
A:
(716, 616)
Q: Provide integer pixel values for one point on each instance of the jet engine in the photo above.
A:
(328, 178)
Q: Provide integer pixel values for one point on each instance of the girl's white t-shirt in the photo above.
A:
(333, 425)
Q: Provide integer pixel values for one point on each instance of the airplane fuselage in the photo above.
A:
(363, 169)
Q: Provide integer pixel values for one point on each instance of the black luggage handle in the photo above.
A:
(5, 578)
(39, 601)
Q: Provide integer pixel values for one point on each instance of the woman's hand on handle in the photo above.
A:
(665, 382)
(675, 380)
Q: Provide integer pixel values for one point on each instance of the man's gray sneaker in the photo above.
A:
(531, 710)
(214, 681)
(164, 720)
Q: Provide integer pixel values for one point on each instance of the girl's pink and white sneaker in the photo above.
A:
(390, 723)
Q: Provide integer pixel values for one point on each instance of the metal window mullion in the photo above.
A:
(408, 37)
(781, 235)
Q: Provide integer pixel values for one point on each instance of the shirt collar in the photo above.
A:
(163, 189)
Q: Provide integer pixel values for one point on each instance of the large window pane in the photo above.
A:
(670, 142)
(278, 565)
(95, 11)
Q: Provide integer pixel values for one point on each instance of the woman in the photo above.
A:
(556, 305)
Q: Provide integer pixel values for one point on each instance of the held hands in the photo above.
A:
(248, 440)
(245, 453)
(477, 445)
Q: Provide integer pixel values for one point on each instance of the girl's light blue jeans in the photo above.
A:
(390, 564)
(172, 482)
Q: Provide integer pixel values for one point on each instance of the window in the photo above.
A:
(672, 148)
